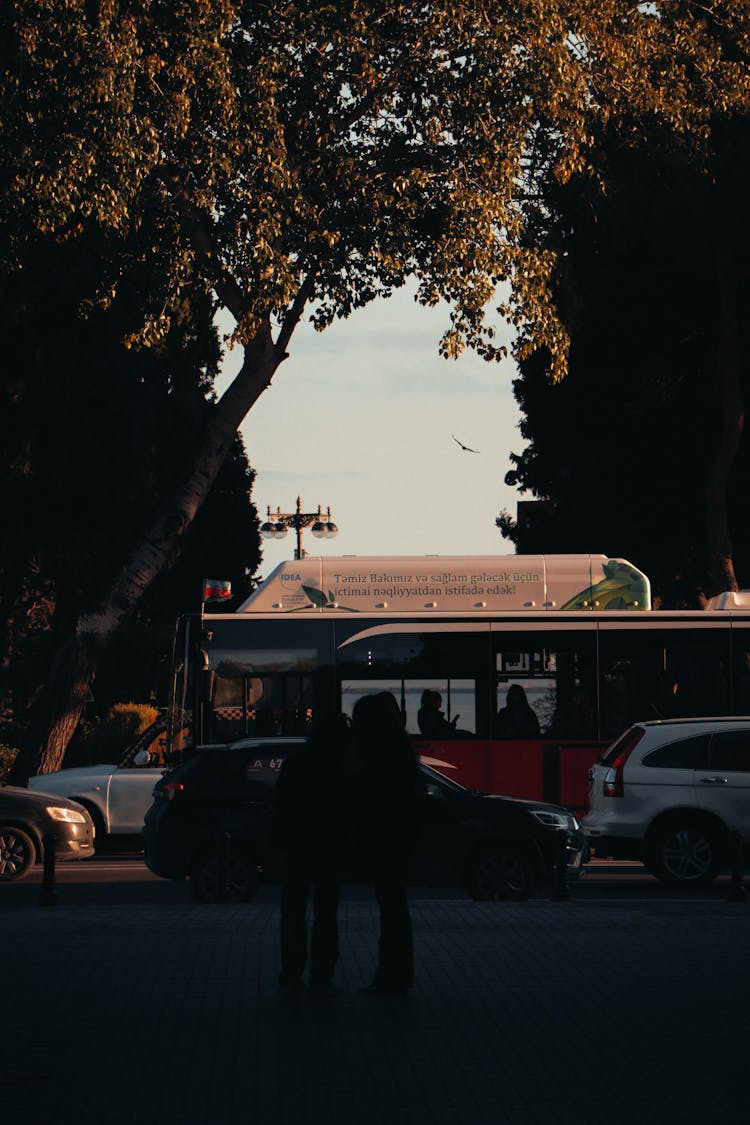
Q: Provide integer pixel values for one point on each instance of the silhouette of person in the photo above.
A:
(389, 787)
(268, 720)
(574, 717)
(431, 718)
(517, 718)
(309, 829)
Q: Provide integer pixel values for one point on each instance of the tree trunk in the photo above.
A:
(62, 700)
(58, 710)
(718, 536)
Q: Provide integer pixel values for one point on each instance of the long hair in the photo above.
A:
(516, 700)
(377, 727)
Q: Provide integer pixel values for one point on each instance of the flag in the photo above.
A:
(214, 590)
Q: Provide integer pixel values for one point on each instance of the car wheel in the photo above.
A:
(500, 874)
(685, 855)
(207, 878)
(17, 853)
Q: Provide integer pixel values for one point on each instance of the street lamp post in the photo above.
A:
(278, 522)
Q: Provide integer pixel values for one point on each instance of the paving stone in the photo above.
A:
(523, 1013)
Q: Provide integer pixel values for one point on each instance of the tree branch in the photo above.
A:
(199, 231)
(291, 320)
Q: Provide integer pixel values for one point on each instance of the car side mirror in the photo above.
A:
(142, 758)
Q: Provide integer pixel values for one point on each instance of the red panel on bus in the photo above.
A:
(513, 768)
(464, 762)
(517, 768)
(531, 768)
(575, 759)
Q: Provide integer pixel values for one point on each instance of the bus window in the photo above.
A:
(458, 701)
(741, 671)
(697, 668)
(270, 677)
(661, 673)
(224, 720)
(259, 705)
(556, 672)
(281, 704)
(408, 660)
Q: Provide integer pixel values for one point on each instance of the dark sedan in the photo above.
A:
(27, 818)
(211, 816)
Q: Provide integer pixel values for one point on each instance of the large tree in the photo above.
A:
(288, 156)
(652, 283)
(85, 460)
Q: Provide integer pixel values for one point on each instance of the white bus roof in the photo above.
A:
(451, 583)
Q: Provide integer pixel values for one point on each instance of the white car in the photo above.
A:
(116, 797)
(671, 794)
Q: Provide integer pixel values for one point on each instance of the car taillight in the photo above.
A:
(613, 780)
(613, 786)
(172, 789)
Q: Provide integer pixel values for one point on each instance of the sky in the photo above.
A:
(360, 418)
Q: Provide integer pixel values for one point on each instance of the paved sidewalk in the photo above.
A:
(528, 1013)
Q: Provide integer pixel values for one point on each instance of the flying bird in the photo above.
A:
(466, 448)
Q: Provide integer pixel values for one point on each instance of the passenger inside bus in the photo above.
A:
(432, 721)
(574, 717)
(517, 718)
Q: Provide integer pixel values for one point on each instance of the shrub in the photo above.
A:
(8, 756)
(114, 731)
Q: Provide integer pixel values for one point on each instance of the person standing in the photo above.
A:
(309, 829)
(387, 826)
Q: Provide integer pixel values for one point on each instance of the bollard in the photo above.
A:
(48, 895)
(737, 892)
(224, 867)
(561, 891)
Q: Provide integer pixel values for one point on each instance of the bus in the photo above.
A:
(576, 632)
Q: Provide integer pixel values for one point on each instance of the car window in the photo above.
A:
(432, 777)
(730, 750)
(625, 744)
(687, 754)
(154, 740)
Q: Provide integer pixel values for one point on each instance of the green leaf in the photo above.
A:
(317, 597)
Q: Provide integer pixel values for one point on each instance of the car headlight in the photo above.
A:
(70, 815)
(556, 820)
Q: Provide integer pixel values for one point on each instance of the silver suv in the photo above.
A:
(669, 794)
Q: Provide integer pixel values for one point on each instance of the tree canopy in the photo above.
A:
(282, 150)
